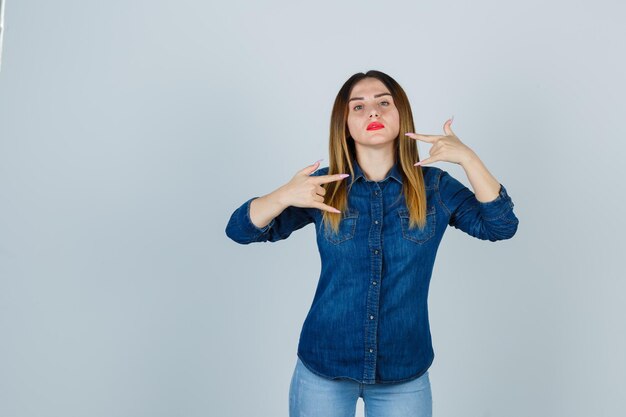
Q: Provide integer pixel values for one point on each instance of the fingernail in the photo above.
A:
(417, 164)
(344, 175)
(407, 134)
(318, 161)
(337, 211)
(452, 118)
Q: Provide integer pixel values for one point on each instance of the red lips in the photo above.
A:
(375, 126)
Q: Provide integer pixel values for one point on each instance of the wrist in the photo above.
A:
(469, 159)
(277, 199)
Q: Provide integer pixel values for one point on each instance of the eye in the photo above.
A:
(384, 101)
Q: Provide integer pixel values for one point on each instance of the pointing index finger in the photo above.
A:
(425, 138)
(323, 179)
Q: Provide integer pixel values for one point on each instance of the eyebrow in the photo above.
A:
(375, 96)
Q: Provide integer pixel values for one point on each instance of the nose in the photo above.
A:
(373, 112)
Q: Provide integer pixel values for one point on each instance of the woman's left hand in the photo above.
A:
(446, 147)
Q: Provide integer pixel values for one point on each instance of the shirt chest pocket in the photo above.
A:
(347, 227)
(416, 234)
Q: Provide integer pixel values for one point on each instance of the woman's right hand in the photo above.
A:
(306, 191)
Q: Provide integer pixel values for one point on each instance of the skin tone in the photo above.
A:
(449, 148)
(302, 191)
(371, 101)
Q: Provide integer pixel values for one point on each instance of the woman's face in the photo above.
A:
(371, 101)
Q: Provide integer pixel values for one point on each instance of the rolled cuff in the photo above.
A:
(246, 225)
(500, 206)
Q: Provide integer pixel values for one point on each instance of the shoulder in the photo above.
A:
(432, 176)
(446, 184)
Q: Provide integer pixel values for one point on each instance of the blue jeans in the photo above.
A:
(311, 395)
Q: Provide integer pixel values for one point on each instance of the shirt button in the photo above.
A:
(371, 350)
(376, 251)
(374, 283)
(375, 192)
(375, 221)
(371, 317)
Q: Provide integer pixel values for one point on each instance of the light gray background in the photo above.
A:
(131, 130)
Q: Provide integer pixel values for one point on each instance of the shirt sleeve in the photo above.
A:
(491, 220)
(241, 229)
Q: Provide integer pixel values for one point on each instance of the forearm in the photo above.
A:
(486, 187)
(264, 209)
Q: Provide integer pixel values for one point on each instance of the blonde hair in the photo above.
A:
(342, 150)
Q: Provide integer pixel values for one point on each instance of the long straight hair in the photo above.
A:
(342, 150)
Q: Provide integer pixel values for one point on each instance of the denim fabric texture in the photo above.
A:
(311, 395)
(368, 321)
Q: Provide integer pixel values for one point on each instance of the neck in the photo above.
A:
(375, 164)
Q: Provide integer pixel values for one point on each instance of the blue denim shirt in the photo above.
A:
(369, 317)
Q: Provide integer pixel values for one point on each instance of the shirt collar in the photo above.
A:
(394, 172)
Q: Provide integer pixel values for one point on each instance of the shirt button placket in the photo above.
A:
(373, 297)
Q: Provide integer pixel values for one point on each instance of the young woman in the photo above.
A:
(367, 332)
